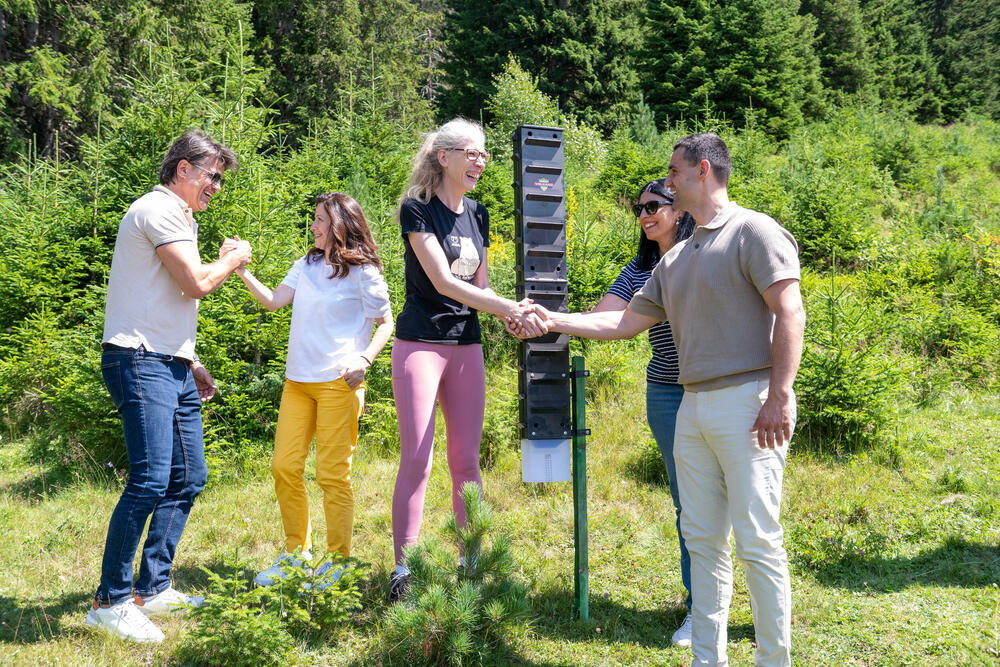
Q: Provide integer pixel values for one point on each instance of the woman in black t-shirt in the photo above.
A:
(438, 356)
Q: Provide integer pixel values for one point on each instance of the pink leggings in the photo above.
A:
(422, 374)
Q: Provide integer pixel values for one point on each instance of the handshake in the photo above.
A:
(242, 251)
(531, 321)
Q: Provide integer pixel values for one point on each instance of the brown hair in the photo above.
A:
(351, 242)
(196, 147)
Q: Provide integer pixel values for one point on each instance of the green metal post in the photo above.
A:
(581, 576)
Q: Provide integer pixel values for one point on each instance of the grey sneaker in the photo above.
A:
(275, 573)
(683, 635)
(167, 601)
(125, 621)
(326, 575)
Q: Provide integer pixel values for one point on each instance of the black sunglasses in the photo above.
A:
(651, 207)
(214, 176)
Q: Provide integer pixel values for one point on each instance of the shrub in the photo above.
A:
(457, 616)
(233, 627)
(51, 386)
(846, 384)
(627, 167)
(500, 428)
(239, 624)
(954, 334)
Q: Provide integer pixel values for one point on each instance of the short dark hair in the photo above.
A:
(649, 251)
(196, 147)
(711, 147)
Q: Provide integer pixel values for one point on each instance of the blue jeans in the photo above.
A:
(662, 403)
(158, 402)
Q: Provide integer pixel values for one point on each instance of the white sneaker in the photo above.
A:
(274, 574)
(167, 601)
(683, 635)
(125, 621)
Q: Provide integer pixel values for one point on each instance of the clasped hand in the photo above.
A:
(242, 248)
(531, 321)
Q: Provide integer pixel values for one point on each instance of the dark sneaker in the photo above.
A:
(398, 583)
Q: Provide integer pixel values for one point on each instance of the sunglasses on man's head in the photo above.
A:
(651, 207)
(214, 176)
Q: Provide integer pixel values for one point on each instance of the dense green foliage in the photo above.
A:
(733, 59)
(66, 66)
(904, 214)
(582, 52)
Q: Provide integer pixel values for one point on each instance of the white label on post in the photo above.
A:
(546, 460)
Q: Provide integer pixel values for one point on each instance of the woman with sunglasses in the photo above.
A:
(437, 356)
(661, 227)
(337, 294)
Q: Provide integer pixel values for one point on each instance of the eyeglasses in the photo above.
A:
(473, 154)
(651, 207)
(216, 177)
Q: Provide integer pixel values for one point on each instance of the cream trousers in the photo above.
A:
(730, 485)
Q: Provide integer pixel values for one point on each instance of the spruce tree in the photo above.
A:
(965, 41)
(320, 50)
(64, 64)
(581, 51)
(843, 48)
(906, 75)
(732, 59)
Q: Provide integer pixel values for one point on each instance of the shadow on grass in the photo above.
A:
(31, 621)
(39, 484)
(38, 621)
(555, 617)
(954, 564)
(192, 579)
(646, 467)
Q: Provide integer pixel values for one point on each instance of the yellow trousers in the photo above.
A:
(329, 411)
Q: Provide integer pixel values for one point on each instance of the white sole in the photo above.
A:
(95, 623)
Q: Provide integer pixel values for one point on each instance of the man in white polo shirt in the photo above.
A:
(157, 382)
(731, 294)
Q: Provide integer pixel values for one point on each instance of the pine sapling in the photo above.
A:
(461, 614)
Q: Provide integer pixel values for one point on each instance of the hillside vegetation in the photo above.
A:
(886, 169)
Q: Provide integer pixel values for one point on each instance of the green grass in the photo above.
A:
(895, 558)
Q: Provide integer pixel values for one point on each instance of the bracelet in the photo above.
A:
(366, 359)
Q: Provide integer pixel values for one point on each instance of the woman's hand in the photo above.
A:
(354, 372)
(532, 321)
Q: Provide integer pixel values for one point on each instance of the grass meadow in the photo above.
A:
(894, 552)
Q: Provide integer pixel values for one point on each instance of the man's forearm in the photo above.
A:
(215, 273)
(786, 351)
(605, 325)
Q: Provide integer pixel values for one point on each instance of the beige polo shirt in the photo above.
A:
(709, 287)
(145, 306)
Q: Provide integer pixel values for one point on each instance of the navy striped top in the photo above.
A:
(662, 367)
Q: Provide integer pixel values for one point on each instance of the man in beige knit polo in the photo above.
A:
(731, 294)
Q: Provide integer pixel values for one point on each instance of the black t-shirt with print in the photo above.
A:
(428, 316)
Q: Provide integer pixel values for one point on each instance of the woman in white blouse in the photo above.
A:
(337, 294)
